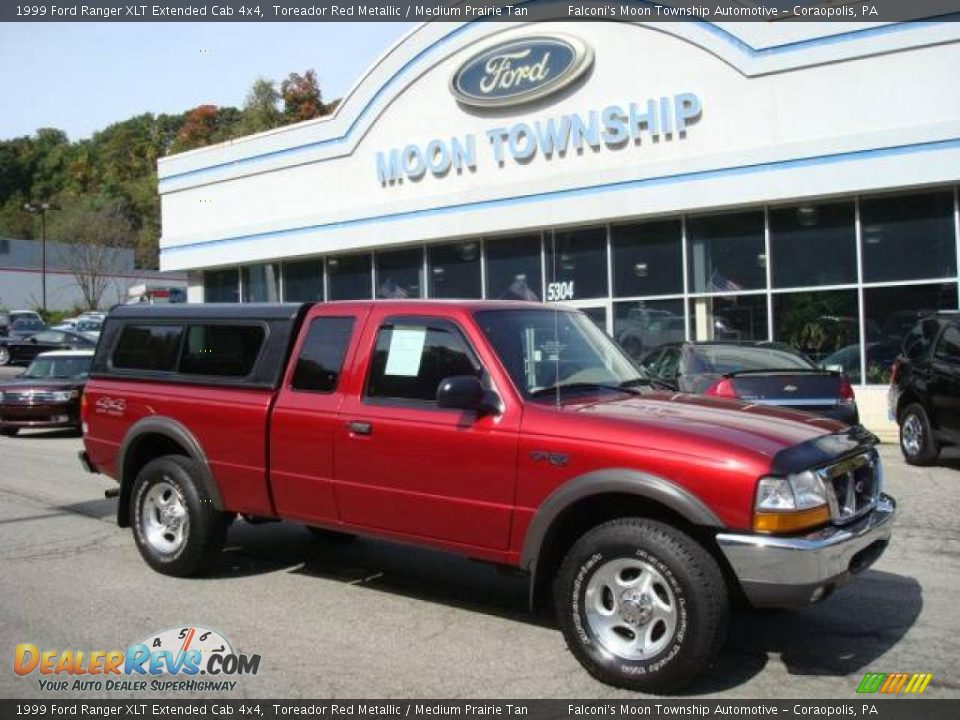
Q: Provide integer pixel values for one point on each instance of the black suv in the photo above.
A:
(924, 393)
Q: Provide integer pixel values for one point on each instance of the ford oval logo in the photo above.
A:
(521, 70)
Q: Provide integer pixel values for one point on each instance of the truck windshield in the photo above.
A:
(59, 367)
(547, 351)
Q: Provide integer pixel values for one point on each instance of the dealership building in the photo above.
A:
(795, 182)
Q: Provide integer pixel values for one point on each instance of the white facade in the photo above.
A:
(787, 113)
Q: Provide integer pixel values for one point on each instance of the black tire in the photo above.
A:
(917, 443)
(699, 597)
(330, 536)
(9, 432)
(206, 526)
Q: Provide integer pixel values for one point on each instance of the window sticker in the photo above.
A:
(406, 350)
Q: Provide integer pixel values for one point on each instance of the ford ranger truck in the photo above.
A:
(509, 432)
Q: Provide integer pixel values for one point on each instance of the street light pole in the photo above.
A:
(39, 208)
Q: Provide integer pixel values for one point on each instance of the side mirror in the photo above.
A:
(465, 392)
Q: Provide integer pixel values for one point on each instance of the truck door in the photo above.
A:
(406, 466)
(304, 418)
(944, 385)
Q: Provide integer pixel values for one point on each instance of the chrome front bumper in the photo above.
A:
(796, 571)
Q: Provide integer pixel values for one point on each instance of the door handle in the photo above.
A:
(360, 427)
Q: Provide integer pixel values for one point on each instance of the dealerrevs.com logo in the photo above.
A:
(894, 683)
(184, 659)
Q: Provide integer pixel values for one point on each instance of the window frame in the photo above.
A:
(351, 336)
(393, 320)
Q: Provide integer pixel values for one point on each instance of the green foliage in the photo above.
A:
(115, 171)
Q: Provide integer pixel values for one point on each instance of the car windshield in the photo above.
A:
(547, 351)
(27, 324)
(59, 367)
(723, 359)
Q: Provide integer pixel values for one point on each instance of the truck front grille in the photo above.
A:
(853, 486)
(28, 397)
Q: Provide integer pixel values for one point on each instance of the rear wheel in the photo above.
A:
(9, 432)
(176, 527)
(917, 442)
(642, 605)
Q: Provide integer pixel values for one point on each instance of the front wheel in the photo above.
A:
(917, 443)
(642, 606)
(9, 432)
(176, 527)
(4, 355)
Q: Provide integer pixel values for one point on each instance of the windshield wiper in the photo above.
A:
(622, 388)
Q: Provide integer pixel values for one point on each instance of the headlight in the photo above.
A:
(63, 395)
(792, 503)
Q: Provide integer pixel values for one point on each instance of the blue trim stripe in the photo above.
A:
(811, 161)
(715, 30)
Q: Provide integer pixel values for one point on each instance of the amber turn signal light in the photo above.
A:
(790, 521)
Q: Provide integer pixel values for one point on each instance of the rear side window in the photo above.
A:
(949, 346)
(148, 347)
(916, 345)
(411, 358)
(222, 350)
(321, 357)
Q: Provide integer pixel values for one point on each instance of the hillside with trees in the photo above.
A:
(110, 179)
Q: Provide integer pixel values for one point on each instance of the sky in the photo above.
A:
(80, 77)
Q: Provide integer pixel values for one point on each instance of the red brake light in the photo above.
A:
(722, 388)
(846, 390)
(894, 371)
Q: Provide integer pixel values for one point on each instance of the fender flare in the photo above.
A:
(175, 431)
(605, 482)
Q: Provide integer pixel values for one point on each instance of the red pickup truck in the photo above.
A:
(510, 432)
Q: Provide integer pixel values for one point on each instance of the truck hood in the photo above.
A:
(21, 384)
(762, 429)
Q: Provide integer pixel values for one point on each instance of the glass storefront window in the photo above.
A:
(514, 268)
(400, 274)
(221, 286)
(349, 277)
(641, 326)
(647, 258)
(454, 270)
(741, 317)
(813, 244)
(822, 325)
(726, 252)
(908, 237)
(891, 312)
(577, 264)
(303, 281)
(260, 283)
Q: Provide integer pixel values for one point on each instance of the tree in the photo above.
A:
(93, 235)
(261, 109)
(301, 97)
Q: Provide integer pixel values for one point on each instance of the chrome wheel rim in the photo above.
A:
(911, 435)
(631, 608)
(4, 356)
(164, 521)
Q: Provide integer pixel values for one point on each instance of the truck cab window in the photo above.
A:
(412, 358)
(321, 357)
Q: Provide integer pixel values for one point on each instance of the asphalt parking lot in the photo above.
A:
(371, 619)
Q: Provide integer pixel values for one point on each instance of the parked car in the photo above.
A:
(21, 350)
(9, 317)
(880, 357)
(510, 432)
(66, 324)
(924, 395)
(47, 394)
(761, 373)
